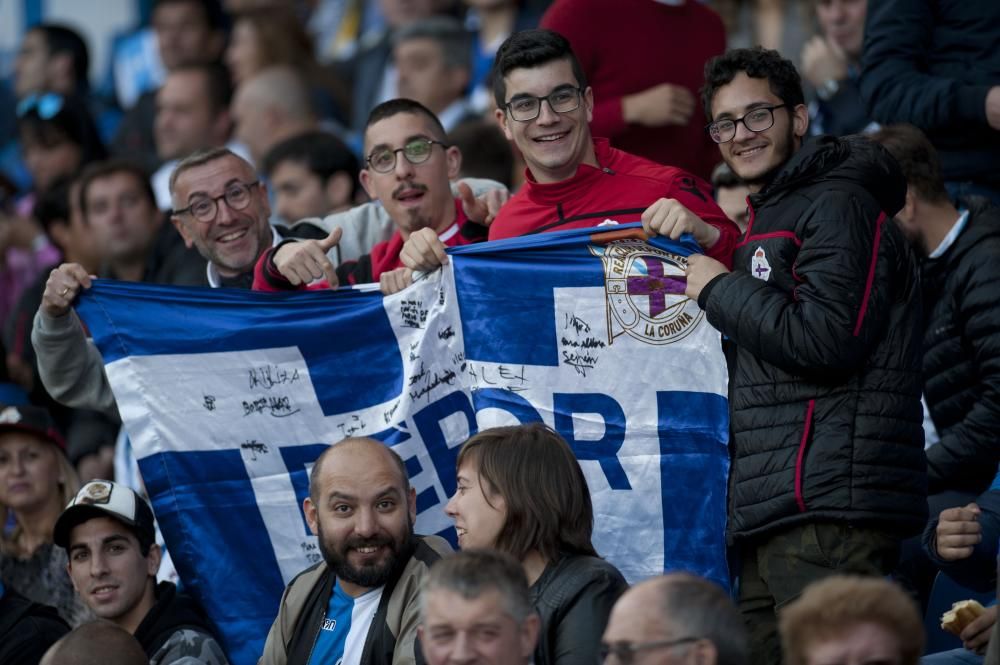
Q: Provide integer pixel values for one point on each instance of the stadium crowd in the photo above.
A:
(845, 197)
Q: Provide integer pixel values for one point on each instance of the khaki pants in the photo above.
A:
(778, 568)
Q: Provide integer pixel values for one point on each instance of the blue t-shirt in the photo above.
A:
(342, 636)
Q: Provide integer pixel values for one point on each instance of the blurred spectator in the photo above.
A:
(192, 113)
(831, 64)
(57, 137)
(491, 22)
(97, 643)
(937, 66)
(27, 629)
(646, 110)
(188, 32)
(731, 194)
(52, 58)
(370, 72)
(58, 211)
(433, 60)
(961, 366)
(311, 175)
(36, 481)
(690, 618)
(265, 38)
(849, 619)
(137, 246)
(486, 152)
(768, 19)
(269, 107)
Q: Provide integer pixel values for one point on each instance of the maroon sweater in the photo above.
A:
(627, 46)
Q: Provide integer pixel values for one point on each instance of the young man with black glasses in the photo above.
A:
(573, 180)
(823, 305)
(408, 168)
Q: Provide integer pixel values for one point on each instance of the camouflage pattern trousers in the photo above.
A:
(777, 568)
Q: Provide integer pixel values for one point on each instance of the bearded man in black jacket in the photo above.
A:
(823, 306)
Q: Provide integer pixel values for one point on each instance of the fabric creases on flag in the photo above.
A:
(228, 396)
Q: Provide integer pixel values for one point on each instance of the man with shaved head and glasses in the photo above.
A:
(408, 168)
(676, 618)
(823, 305)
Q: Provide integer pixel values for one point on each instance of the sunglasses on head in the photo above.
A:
(46, 105)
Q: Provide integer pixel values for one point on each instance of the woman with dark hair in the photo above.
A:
(520, 490)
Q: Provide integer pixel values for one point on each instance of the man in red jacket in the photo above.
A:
(544, 106)
(408, 168)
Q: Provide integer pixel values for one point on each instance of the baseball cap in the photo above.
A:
(32, 419)
(103, 498)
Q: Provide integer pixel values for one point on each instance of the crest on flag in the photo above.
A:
(645, 292)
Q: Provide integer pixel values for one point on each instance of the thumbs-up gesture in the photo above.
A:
(306, 261)
(482, 210)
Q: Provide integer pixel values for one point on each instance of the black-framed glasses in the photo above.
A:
(757, 120)
(416, 151)
(624, 652)
(527, 107)
(204, 208)
(47, 105)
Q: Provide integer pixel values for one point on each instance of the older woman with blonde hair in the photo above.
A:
(36, 483)
(520, 490)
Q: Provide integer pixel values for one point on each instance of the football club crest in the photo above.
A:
(759, 267)
(97, 493)
(10, 415)
(645, 293)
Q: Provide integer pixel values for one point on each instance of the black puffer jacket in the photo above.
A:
(825, 394)
(962, 354)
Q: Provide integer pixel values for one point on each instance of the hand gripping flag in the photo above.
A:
(228, 396)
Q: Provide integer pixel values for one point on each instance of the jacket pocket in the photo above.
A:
(801, 456)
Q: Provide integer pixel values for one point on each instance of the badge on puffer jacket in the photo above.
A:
(759, 267)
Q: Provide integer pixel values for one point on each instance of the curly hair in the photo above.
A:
(758, 63)
(829, 608)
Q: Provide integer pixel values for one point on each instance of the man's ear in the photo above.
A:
(800, 121)
(182, 229)
(366, 183)
(411, 501)
(501, 116)
(153, 560)
(588, 103)
(530, 629)
(454, 158)
(312, 519)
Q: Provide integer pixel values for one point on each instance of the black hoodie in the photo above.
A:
(172, 612)
(824, 308)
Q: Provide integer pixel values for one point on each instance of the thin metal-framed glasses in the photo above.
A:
(624, 652)
(758, 120)
(416, 151)
(524, 108)
(204, 208)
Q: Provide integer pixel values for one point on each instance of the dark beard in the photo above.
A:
(762, 181)
(370, 576)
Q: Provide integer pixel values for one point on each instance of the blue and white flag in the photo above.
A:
(228, 396)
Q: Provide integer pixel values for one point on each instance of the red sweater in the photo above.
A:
(383, 257)
(627, 46)
(620, 190)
